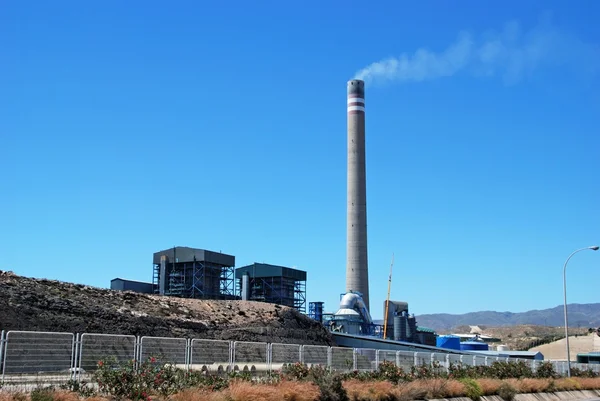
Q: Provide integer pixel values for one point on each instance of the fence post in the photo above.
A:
(191, 356)
(447, 363)
(137, 355)
(302, 354)
(80, 354)
(2, 357)
(355, 351)
(233, 355)
(397, 358)
(188, 357)
(329, 357)
(74, 356)
(269, 356)
(415, 360)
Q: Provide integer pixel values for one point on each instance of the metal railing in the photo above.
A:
(28, 356)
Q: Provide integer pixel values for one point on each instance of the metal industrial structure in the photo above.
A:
(352, 317)
(357, 270)
(274, 284)
(315, 311)
(120, 284)
(194, 273)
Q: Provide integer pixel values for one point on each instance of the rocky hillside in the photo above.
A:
(45, 305)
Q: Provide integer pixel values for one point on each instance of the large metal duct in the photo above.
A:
(162, 275)
(245, 287)
(352, 303)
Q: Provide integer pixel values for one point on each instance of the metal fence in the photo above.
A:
(27, 356)
(210, 355)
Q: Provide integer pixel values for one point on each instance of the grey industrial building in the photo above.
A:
(274, 284)
(194, 273)
(121, 284)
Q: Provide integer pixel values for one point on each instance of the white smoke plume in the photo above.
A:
(510, 54)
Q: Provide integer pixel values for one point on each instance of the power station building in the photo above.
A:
(121, 284)
(193, 273)
(274, 284)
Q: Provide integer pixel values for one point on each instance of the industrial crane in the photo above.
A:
(387, 302)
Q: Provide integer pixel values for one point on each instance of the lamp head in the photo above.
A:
(594, 248)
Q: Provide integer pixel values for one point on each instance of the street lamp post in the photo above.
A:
(593, 248)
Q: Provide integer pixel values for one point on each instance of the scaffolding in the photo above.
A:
(274, 284)
(194, 273)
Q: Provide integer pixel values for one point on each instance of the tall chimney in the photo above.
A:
(357, 269)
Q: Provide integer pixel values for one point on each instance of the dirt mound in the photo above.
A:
(47, 305)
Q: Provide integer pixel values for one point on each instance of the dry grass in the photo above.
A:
(436, 388)
(525, 386)
(96, 398)
(199, 394)
(489, 386)
(417, 390)
(286, 390)
(357, 390)
(369, 391)
(454, 388)
(566, 384)
(243, 391)
(14, 396)
(60, 395)
(410, 391)
(441, 388)
(588, 383)
(4, 396)
(297, 391)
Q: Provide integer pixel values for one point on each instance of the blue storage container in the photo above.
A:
(473, 346)
(448, 342)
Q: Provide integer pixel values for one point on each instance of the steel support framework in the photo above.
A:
(197, 279)
(279, 290)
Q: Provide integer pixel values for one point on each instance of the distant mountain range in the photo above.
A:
(580, 315)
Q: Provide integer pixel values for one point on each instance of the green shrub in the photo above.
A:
(472, 388)
(363, 376)
(576, 372)
(80, 387)
(425, 371)
(295, 371)
(389, 371)
(126, 380)
(42, 394)
(546, 371)
(330, 386)
(508, 370)
(507, 392)
(329, 382)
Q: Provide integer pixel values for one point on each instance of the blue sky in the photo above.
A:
(131, 127)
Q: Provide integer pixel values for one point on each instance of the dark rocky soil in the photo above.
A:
(46, 305)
